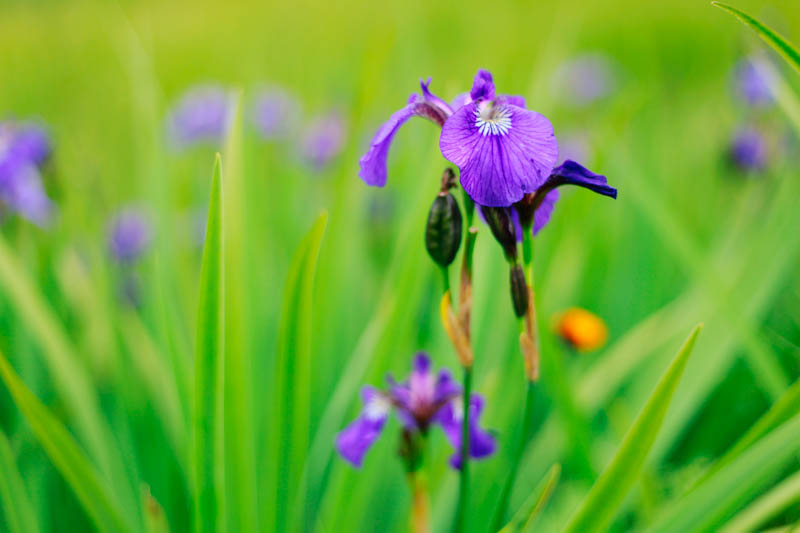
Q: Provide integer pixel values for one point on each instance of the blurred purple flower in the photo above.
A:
(425, 399)
(574, 146)
(748, 150)
(275, 112)
(129, 236)
(502, 149)
(585, 78)
(754, 80)
(323, 140)
(23, 150)
(201, 115)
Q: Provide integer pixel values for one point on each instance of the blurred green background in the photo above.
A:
(690, 239)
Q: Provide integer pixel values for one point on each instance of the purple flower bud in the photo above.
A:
(275, 112)
(201, 115)
(323, 140)
(129, 236)
(748, 150)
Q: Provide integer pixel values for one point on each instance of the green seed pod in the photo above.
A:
(443, 231)
(519, 290)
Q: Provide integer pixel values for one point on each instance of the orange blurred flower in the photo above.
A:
(582, 329)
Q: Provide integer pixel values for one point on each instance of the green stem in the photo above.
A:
(463, 495)
(445, 279)
(524, 435)
(527, 254)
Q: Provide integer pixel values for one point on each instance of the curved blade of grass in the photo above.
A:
(786, 407)
(706, 506)
(207, 363)
(68, 373)
(767, 34)
(17, 508)
(525, 517)
(780, 497)
(94, 494)
(610, 489)
(293, 387)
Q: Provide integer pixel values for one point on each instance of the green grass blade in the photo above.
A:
(785, 408)
(610, 489)
(293, 389)
(68, 373)
(94, 494)
(770, 36)
(17, 507)
(524, 518)
(782, 496)
(241, 508)
(209, 349)
(706, 506)
(155, 520)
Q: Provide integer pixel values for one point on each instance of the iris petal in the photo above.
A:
(450, 417)
(354, 440)
(499, 165)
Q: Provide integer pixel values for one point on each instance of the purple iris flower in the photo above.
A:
(748, 150)
(274, 111)
(502, 149)
(424, 400)
(323, 140)
(754, 80)
(584, 79)
(129, 236)
(24, 148)
(201, 115)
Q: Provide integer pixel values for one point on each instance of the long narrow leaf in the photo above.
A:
(770, 36)
(209, 350)
(293, 390)
(17, 507)
(610, 489)
(782, 496)
(90, 488)
(706, 506)
(525, 517)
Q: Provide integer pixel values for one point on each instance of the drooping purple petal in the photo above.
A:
(542, 214)
(373, 163)
(572, 173)
(748, 150)
(446, 387)
(427, 105)
(129, 236)
(276, 113)
(754, 80)
(201, 115)
(324, 140)
(503, 151)
(451, 416)
(354, 440)
(482, 86)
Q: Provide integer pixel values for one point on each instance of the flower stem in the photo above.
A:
(420, 506)
(463, 494)
(445, 279)
(523, 436)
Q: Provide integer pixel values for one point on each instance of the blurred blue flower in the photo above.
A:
(323, 140)
(502, 149)
(275, 112)
(754, 80)
(24, 148)
(585, 78)
(748, 150)
(129, 236)
(202, 115)
(425, 399)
